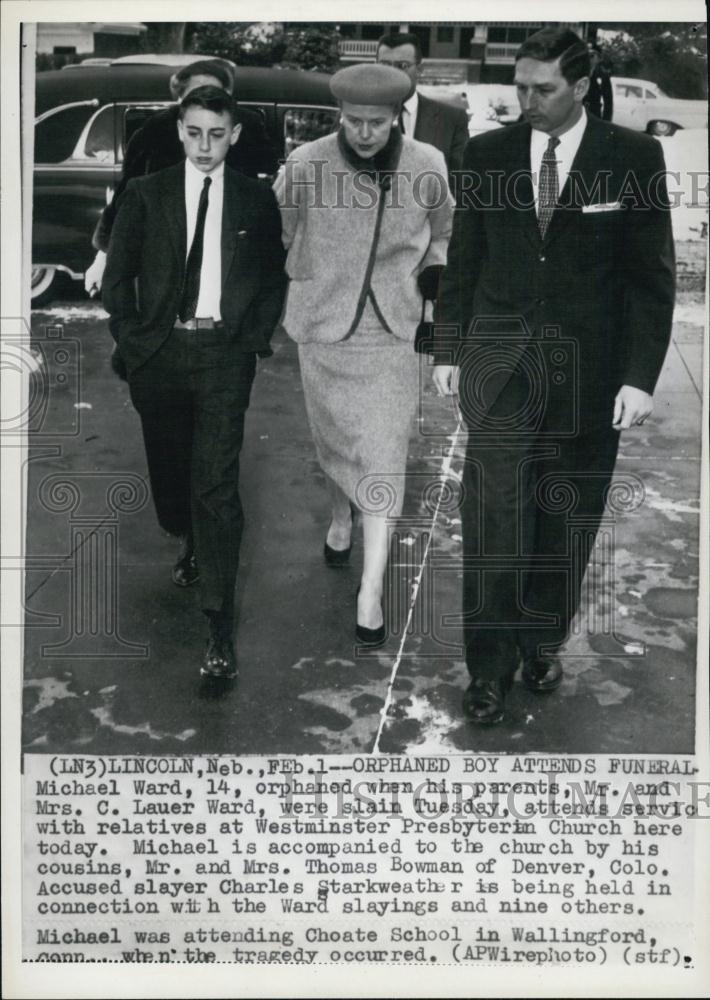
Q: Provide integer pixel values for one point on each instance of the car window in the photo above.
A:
(56, 135)
(134, 117)
(97, 140)
(252, 106)
(649, 93)
(305, 124)
(627, 90)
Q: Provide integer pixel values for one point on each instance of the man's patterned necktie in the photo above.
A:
(549, 190)
(193, 266)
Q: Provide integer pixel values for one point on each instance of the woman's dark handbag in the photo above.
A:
(424, 337)
(428, 282)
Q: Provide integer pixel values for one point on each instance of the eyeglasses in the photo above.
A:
(400, 64)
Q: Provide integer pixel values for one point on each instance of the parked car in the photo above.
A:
(488, 106)
(642, 105)
(83, 119)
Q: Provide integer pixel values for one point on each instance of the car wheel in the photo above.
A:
(45, 282)
(661, 128)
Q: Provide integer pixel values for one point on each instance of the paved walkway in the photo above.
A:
(113, 654)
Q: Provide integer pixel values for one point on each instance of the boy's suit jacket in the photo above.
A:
(146, 263)
(156, 145)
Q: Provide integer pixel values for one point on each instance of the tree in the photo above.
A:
(164, 36)
(672, 54)
(245, 44)
(312, 46)
(299, 45)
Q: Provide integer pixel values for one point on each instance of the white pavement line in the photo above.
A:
(444, 472)
(61, 561)
(690, 374)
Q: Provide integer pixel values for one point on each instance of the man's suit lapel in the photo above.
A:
(585, 168)
(172, 200)
(427, 120)
(233, 207)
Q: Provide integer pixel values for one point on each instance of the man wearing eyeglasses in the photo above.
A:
(441, 125)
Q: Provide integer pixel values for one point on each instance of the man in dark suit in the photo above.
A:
(555, 313)
(194, 286)
(441, 125)
(156, 145)
(600, 95)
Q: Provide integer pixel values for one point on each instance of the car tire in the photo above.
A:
(45, 284)
(661, 127)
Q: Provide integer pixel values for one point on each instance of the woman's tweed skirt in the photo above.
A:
(361, 397)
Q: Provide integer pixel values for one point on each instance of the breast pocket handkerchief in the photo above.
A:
(607, 206)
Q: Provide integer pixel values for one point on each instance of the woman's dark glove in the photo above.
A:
(428, 281)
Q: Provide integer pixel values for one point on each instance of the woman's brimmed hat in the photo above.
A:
(370, 83)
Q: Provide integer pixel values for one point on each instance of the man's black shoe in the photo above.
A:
(185, 571)
(220, 661)
(542, 674)
(484, 702)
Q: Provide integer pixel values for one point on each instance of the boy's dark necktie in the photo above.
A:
(193, 265)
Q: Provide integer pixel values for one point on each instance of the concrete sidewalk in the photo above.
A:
(113, 649)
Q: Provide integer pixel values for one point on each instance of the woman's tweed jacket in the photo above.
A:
(329, 214)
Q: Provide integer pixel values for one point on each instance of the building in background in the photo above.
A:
(454, 51)
(89, 38)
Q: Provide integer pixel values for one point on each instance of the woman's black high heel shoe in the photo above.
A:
(371, 637)
(338, 558)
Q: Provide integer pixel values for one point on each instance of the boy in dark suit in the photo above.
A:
(156, 145)
(194, 286)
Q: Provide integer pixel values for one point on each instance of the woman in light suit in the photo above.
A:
(366, 216)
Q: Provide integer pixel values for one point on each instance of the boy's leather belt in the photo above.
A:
(198, 323)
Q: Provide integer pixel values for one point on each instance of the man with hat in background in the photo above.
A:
(156, 145)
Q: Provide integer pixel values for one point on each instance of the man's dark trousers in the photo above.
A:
(534, 502)
(192, 396)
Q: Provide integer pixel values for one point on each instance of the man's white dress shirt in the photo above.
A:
(409, 113)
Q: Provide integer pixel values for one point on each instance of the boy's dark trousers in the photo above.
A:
(192, 396)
